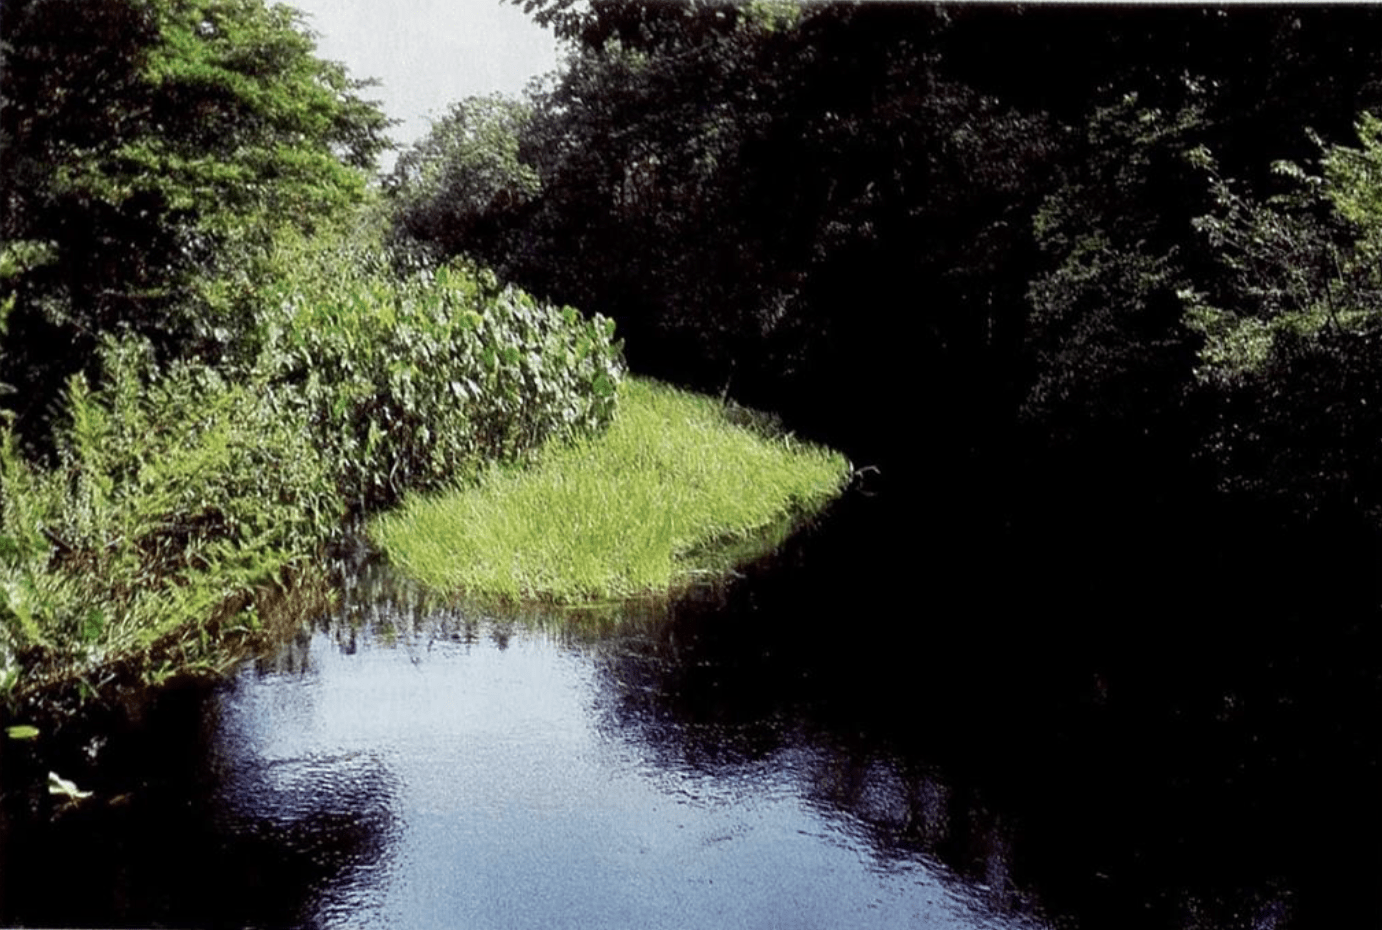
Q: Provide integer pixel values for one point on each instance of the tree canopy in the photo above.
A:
(995, 216)
(147, 148)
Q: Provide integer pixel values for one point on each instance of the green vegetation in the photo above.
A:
(1142, 255)
(176, 498)
(418, 377)
(180, 495)
(210, 360)
(446, 189)
(637, 510)
(153, 151)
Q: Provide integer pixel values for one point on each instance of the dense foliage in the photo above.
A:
(179, 492)
(412, 379)
(150, 148)
(454, 185)
(1083, 251)
(1292, 330)
(755, 192)
(212, 360)
(175, 495)
(1060, 244)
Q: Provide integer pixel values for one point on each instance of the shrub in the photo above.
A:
(419, 378)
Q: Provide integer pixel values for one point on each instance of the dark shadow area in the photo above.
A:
(1095, 711)
(171, 837)
(1121, 720)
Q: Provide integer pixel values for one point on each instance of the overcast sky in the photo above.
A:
(430, 53)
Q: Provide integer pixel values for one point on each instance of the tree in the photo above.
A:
(148, 149)
(791, 203)
(1110, 351)
(838, 209)
(458, 184)
(1293, 330)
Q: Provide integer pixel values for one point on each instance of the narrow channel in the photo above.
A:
(796, 748)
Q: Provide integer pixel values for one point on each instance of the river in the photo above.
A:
(865, 730)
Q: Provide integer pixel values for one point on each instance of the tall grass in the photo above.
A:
(637, 510)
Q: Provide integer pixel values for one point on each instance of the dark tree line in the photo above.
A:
(966, 238)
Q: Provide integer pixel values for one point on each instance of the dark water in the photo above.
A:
(873, 729)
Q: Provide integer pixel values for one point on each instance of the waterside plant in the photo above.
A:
(181, 500)
(416, 377)
(643, 507)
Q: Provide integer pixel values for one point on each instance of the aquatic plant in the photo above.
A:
(179, 494)
(638, 509)
(418, 378)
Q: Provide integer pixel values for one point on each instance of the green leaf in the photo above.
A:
(22, 731)
(93, 625)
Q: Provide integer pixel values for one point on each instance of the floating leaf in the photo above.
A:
(22, 731)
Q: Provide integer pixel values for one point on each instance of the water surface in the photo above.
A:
(848, 736)
(494, 763)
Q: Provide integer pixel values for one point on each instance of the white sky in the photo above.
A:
(430, 53)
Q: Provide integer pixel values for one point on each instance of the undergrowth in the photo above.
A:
(415, 378)
(175, 494)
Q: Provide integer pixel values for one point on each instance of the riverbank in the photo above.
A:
(643, 507)
(181, 503)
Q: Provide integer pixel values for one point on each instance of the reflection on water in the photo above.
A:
(511, 794)
(802, 748)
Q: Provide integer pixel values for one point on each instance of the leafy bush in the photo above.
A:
(417, 378)
(149, 148)
(174, 495)
(1293, 330)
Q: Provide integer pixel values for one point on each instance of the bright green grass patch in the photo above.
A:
(637, 510)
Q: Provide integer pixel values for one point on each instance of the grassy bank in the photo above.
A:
(179, 500)
(639, 509)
